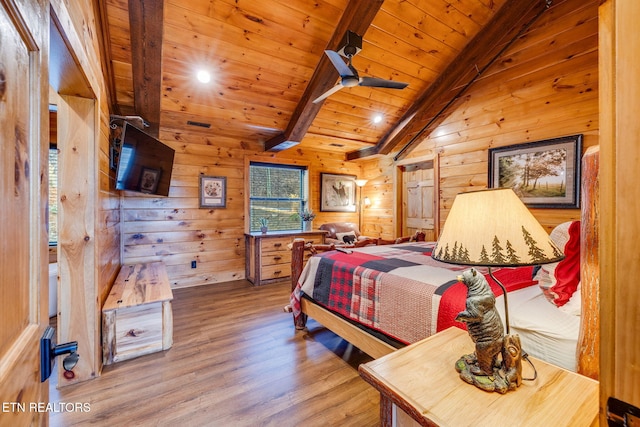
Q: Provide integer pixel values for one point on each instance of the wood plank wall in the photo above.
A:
(76, 19)
(108, 201)
(175, 230)
(544, 86)
(378, 219)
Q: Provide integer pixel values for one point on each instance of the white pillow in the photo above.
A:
(348, 238)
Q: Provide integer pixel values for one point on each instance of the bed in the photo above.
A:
(381, 297)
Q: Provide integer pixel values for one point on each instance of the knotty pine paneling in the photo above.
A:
(408, 41)
(92, 280)
(377, 219)
(177, 231)
(544, 86)
(109, 220)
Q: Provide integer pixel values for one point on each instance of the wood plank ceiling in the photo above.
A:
(268, 64)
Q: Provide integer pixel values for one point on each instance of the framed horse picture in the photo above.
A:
(337, 192)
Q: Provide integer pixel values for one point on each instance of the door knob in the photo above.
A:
(49, 351)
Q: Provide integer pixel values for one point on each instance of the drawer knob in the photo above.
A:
(276, 273)
(277, 258)
(277, 245)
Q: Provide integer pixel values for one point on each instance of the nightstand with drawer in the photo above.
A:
(268, 257)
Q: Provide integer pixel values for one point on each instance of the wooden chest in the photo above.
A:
(269, 256)
(136, 317)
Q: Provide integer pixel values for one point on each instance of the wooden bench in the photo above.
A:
(136, 317)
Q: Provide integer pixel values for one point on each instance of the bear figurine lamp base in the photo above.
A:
(491, 228)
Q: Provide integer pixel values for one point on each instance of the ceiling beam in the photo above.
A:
(357, 17)
(432, 106)
(145, 22)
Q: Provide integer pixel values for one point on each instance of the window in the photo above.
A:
(53, 196)
(277, 193)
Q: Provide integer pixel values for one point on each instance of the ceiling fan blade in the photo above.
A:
(328, 93)
(375, 82)
(341, 66)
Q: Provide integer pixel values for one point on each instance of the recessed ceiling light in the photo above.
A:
(377, 118)
(204, 76)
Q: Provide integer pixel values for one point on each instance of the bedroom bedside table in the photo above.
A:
(419, 385)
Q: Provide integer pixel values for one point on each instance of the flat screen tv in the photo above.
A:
(144, 163)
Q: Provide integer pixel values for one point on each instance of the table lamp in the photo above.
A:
(491, 228)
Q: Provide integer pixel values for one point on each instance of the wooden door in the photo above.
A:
(23, 217)
(619, 207)
(419, 198)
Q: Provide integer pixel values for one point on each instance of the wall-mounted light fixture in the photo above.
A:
(361, 183)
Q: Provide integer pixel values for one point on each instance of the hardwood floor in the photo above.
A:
(236, 361)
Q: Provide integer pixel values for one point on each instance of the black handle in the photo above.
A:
(49, 351)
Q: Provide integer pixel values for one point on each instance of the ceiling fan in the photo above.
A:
(351, 45)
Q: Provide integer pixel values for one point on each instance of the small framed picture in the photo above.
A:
(213, 191)
(544, 174)
(337, 192)
(149, 179)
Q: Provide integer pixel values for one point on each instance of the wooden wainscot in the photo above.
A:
(136, 317)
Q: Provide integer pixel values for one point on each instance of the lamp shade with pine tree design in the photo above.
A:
(493, 228)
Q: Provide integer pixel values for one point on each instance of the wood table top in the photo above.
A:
(422, 380)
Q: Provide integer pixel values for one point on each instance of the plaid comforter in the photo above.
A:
(396, 289)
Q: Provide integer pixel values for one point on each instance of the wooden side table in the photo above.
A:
(419, 385)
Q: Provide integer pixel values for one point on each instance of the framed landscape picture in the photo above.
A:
(213, 191)
(544, 174)
(337, 192)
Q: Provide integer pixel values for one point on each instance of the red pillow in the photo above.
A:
(560, 280)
